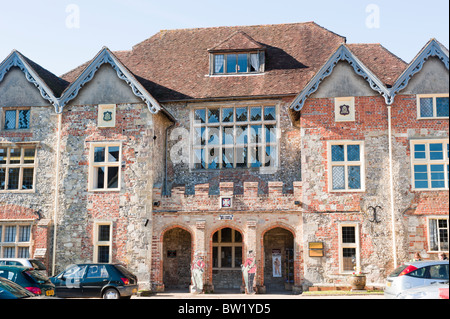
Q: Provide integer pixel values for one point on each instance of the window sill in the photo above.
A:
(102, 190)
(233, 74)
(433, 118)
(15, 191)
(429, 189)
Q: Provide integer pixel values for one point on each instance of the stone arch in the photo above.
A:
(176, 256)
(278, 264)
(230, 252)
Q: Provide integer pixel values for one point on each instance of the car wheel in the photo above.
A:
(110, 293)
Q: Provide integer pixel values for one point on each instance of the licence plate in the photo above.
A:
(50, 293)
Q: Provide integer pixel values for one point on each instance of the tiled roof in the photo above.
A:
(174, 65)
(238, 41)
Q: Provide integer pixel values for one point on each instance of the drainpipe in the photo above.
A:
(391, 184)
(56, 200)
(165, 190)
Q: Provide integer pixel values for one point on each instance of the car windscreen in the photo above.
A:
(14, 289)
(397, 271)
(37, 264)
(124, 271)
(37, 276)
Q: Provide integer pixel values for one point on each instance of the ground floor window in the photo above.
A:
(227, 249)
(348, 248)
(103, 242)
(15, 240)
(438, 234)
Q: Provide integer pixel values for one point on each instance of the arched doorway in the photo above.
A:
(227, 259)
(278, 260)
(177, 256)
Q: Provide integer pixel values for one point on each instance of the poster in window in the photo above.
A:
(276, 263)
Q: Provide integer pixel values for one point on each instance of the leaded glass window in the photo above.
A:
(235, 137)
(346, 166)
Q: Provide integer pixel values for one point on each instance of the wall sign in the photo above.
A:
(315, 249)
(106, 115)
(344, 109)
(226, 202)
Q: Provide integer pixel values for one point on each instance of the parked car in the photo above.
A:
(29, 278)
(27, 262)
(435, 290)
(11, 290)
(415, 274)
(107, 281)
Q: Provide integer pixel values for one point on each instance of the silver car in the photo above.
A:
(415, 274)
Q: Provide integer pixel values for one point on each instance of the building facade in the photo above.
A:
(283, 142)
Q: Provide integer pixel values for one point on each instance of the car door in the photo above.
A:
(68, 283)
(96, 278)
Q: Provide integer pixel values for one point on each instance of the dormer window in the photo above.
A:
(239, 54)
(237, 63)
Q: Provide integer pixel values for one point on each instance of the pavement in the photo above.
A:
(233, 295)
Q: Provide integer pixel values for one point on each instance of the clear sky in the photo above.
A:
(62, 34)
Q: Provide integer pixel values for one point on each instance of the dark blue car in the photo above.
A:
(107, 281)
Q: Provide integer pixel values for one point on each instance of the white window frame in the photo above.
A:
(220, 147)
(346, 164)
(427, 161)
(235, 72)
(97, 243)
(16, 244)
(355, 245)
(429, 218)
(21, 166)
(434, 96)
(92, 179)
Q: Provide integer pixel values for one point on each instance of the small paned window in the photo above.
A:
(103, 242)
(235, 63)
(438, 234)
(16, 119)
(17, 168)
(347, 171)
(430, 165)
(15, 240)
(235, 137)
(349, 248)
(432, 106)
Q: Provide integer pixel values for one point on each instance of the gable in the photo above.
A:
(421, 68)
(105, 57)
(238, 41)
(342, 54)
(433, 78)
(105, 88)
(343, 82)
(15, 90)
(34, 74)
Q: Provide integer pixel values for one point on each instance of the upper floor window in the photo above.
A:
(16, 119)
(430, 165)
(17, 167)
(235, 137)
(346, 166)
(432, 106)
(234, 63)
(105, 159)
